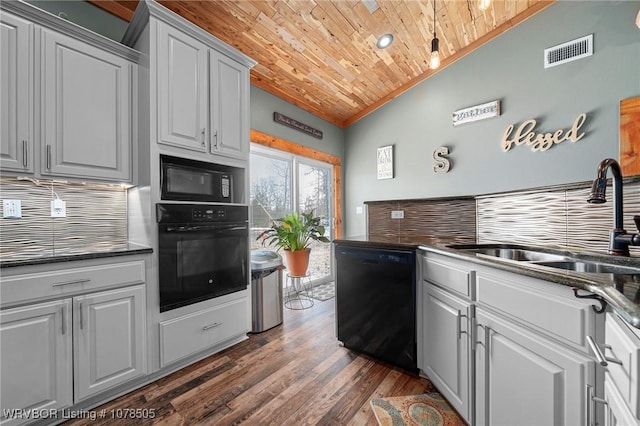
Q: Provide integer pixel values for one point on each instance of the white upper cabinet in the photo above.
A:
(182, 90)
(229, 106)
(69, 99)
(86, 115)
(16, 72)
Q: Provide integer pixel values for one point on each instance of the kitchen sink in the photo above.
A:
(546, 257)
(591, 267)
(511, 252)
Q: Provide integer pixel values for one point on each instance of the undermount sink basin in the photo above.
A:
(591, 267)
(546, 257)
(511, 252)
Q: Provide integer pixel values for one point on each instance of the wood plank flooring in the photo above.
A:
(293, 374)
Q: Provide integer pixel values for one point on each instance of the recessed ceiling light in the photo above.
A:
(384, 41)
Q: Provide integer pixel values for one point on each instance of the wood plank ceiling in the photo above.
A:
(321, 55)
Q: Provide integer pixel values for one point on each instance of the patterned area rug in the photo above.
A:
(324, 292)
(429, 409)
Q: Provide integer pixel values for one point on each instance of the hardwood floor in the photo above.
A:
(293, 374)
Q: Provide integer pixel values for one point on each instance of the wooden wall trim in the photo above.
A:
(267, 140)
(630, 136)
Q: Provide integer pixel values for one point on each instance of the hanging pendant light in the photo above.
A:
(435, 43)
(484, 4)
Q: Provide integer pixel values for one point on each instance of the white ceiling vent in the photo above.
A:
(569, 51)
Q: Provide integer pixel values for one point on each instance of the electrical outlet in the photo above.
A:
(397, 214)
(359, 210)
(11, 209)
(58, 208)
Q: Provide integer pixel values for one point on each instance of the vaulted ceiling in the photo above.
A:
(321, 55)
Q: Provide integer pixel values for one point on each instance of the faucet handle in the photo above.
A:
(636, 220)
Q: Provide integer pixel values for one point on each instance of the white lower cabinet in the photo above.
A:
(524, 379)
(35, 360)
(446, 363)
(622, 387)
(109, 339)
(58, 353)
(505, 349)
(192, 333)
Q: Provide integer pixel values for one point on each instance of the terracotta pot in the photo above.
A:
(297, 261)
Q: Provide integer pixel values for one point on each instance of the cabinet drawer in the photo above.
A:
(189, 334)
(447, 275)
(623, 345)
(544, 306)
(47, 284)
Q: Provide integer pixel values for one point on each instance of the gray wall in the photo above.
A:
(510, 68)
(264, 104)
(86, 15)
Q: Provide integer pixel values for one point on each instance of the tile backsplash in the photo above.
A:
(557, 217)
(96, 217)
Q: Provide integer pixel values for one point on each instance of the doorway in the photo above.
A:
(282, 182)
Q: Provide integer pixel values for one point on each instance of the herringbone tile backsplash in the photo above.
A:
(96, 218)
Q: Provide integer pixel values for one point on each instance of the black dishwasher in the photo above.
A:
(376, 302)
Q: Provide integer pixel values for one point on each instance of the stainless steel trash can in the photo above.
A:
(266, 290)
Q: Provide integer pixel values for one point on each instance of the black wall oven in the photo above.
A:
(203, 252)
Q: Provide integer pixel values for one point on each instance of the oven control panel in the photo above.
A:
(206, 213)
(201, 213)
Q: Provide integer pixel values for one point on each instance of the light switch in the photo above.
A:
(11, 209)
(397, 214)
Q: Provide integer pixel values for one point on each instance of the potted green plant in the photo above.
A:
(294, 233)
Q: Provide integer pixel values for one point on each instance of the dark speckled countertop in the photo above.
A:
(622, 292)
(66, 255)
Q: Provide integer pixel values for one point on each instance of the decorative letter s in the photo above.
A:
(442, 164)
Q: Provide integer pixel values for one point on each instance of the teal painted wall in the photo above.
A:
(510, 69)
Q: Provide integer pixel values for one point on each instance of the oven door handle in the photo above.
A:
(196, 228)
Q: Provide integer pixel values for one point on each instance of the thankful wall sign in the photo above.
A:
(541, 141)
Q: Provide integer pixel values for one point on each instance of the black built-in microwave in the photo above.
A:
(183, 179)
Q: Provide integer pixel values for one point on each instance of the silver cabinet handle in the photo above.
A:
(210, 326)
(588, 406)
(215, 138)
(25, 152)
(80, 281)
(203, 137)
(81, 317)
(64, 320)
(48, 157)
(459, 331)
(600, 357)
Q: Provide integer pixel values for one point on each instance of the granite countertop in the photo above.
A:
(42, 257)
(622, 292)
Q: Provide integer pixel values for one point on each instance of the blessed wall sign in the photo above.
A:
(295, 124)
(541, 141)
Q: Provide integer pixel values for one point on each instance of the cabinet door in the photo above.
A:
(36, 358)
(525, 379)
(617, 412)
(445, 346)
(230, 102)
(182, 90)
(109, 339)
(16, 73)
(623, 345)
(86, 110)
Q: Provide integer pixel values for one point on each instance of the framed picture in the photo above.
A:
(385, 162)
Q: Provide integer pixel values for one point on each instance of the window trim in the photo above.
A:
(267, 140)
